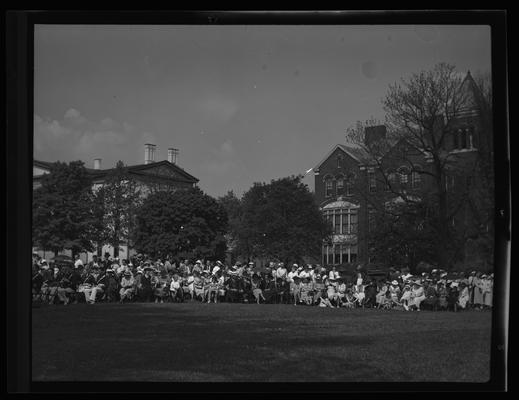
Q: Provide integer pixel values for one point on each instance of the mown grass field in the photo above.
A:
(248, 342)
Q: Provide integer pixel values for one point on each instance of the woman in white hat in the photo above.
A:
(488, 287)
(405, 299)
(417, 295)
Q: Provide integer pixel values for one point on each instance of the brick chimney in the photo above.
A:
(97, 163)
(172, 155)
(149, 153)
(374, 133)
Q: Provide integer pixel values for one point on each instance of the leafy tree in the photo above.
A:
(186, 223)
(62, 209)
(281, 220)
(116, 201)
(232, 205)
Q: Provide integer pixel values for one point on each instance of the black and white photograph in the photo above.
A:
(266, 202)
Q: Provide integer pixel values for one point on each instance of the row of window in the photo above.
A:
(339, 254)
(344, 221)
(344, 187)
(464, 138)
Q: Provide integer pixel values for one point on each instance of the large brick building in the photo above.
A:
(350, 180)
(150, 176)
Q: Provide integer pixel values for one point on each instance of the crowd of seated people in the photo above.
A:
(145, 280)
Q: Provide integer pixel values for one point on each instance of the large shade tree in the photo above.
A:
(185, 223)
(282, 220)
(62, 212)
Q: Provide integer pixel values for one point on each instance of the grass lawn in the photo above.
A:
(249, 342)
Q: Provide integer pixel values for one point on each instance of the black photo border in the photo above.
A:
(19, 156)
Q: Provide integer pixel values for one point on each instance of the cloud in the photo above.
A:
(74, 116)
(77, 137)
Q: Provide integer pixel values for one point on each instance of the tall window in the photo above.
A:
(337, 254)
(372, 182)
(353, 254)
(403, 174)
(328, 187)
(464, 138)
(344, 253)
(337, 222)
(340, 157)
(340, 186)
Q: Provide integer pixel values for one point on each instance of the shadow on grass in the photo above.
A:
(232, 342)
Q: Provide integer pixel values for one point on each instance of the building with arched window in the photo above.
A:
(348, 179)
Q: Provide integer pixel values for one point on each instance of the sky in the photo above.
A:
(243, 104)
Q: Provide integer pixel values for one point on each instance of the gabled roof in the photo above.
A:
(357, 153)
(139, 169)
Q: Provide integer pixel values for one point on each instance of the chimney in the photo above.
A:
(97, 163)
(172, 155)
(149, 153)
(374, 133)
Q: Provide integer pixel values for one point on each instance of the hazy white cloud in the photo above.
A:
(74, 116)
(76, 137)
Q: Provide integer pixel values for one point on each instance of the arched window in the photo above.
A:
(340, 185)
(403, 175)
(328, 186)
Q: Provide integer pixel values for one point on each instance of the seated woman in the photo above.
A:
(405, 299)
(306, 291)
(161, 286)
(341, 291)
(359, 294)
(319, 287)
(127, 287)
(417, 296)
(394, 290)
(381, 295)
(464, 297)
(213, 288)
(349, 298)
